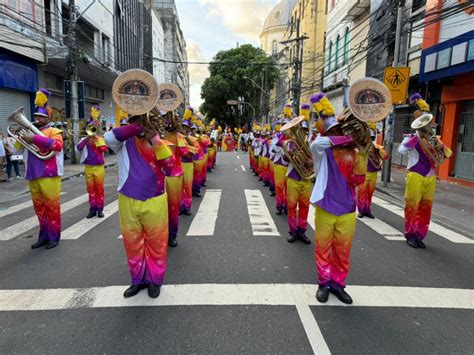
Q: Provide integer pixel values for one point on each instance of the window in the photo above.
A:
(338, 52)
(105, 49)
(330, 58)
(274, 48)
(346, 45)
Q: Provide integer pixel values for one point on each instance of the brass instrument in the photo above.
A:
(296, 148)
(91, 130)
(429, 142)
(370, 101)
(20, 127)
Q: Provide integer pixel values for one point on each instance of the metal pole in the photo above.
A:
(73, 76)
(296, 76)
(387, 168)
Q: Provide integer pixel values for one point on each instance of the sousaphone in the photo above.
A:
(429, 142)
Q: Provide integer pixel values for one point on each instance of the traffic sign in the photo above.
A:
(397, 80)
(233, 102)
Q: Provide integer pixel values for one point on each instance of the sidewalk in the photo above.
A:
(453, 206)
(11, 190)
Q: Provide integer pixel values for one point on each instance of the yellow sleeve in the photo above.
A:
(360, 167)
(162, 151)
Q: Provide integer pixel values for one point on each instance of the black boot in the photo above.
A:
(39, 244)
(187, 213)
(291, 238)
(360, 215)
(100, 214)
(51, 244)
(133, 290)
(302, 236)
(279, 211)
(322, 294)
(153, 290)
(172, 242)
(272, 193)
(342, 295)
(421, 244)
(369, 215)
(413, 243)
(91, 214)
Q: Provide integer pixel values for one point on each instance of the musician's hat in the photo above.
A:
(41, 103)
(325, 110)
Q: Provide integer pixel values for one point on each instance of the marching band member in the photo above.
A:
(420, 185)
(174, 180)
(257, 148)
(211, 150)
(298, 194)
(199, 162)
(92, 148)
(188, 168)
(366, 190)
(263, 160)
(44, 176)
(280, 169)
(143, 160)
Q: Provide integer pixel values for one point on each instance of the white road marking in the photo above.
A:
(238, 157)
(443, 232)
(260, 217)
(82, 227)
(315, 337)
(311, 213)
(15, 208)
(204, 223)
(243, 168)
(120, 236)
(29, 223)
(233, 294)
(382, 228)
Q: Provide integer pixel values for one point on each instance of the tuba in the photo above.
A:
(20, 126)
(296, 148)
(370, 101)
(429, 142)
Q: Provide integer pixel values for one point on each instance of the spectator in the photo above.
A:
(12, 158)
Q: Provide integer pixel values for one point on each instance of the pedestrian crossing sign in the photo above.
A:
(397, 80)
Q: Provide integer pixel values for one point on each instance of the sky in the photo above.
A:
(213, 25)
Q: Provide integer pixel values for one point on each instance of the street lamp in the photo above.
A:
(255, 83)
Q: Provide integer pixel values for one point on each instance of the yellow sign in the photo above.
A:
(397, 80)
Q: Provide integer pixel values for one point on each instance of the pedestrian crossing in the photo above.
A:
(205, 220)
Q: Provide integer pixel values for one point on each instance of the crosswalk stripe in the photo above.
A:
(204, 223)
(243, 168)
(233, 294)
(29, 223)
(260, 217)
(238, 157)
(382, 228)
(311, 213)
(82, 227)
(443, 232)
(12, 209)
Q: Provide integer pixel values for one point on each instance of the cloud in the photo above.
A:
(243, 18)
(197, 72)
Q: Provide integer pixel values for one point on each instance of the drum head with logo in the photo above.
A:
(135, 92)
(369, 100)
(170, 97)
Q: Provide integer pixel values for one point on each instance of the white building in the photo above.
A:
(158, 48)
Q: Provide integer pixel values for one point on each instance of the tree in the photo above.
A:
(227, 82)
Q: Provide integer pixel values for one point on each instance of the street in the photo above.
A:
(233, 285)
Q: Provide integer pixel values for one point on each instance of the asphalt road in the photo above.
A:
(232, 291)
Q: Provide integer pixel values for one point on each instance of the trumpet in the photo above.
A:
(18, 130)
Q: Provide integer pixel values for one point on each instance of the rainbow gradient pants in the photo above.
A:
(46, 195)
(174, 188)
(187, 192)
(419, 196)
(144, 226)
(365, 192)
(199, 165)
(271, 175)
(95, 186)
(334, 235)
(263, 169)
(210, 159)
(280, 185)
(298, 204)
(204, 168)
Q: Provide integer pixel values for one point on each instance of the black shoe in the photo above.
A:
(203, 184)
(369, 215)
(279, 211)
(421, 244)
(322, 294)
(302, 236)
(196, 194)
(259, 179)
(39, 244)
(187, 213)
(172, 242)
(133, 290)
(360, 215)
(265, 184)
(100, 214)
(342, 295)
(91, 214)
(153, 290)
(285, 210)
(272, 193)
(51, 244)
(291, 238)
(181, 212)
(413, 243)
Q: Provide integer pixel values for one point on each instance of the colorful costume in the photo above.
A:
(143, 204)
(280, 170)
(298, 193)
(44, 176)
(174, 181)
(92, 156)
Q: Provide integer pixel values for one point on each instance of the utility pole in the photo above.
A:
(387, 168)
(73, 76)
(297, 66)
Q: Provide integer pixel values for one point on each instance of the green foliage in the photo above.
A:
(227, 82)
